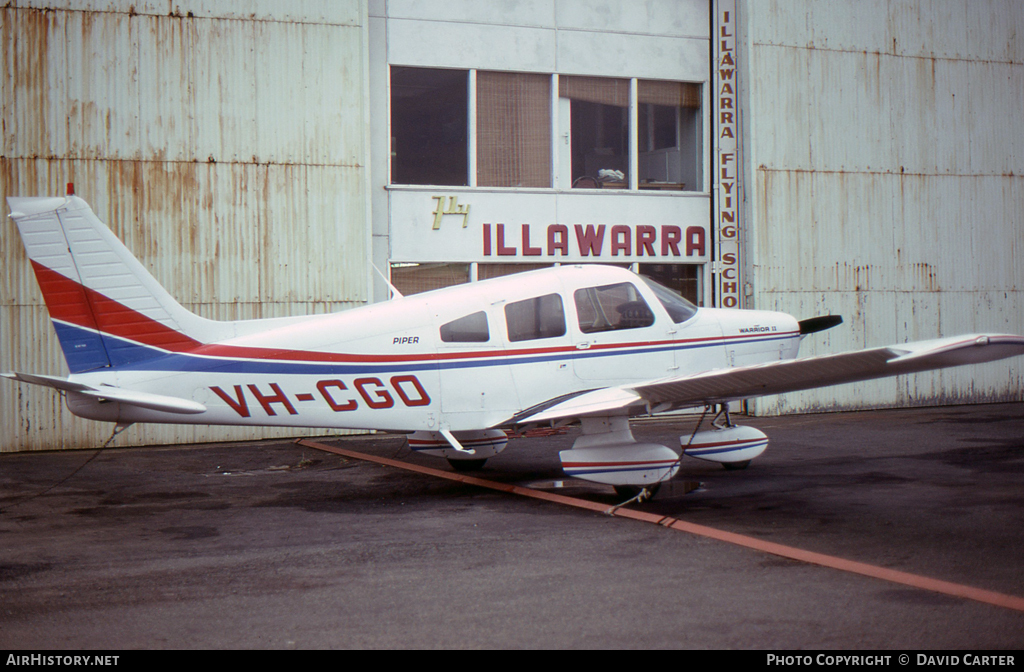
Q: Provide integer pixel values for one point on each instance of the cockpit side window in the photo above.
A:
(469, 329)
(611, 307)
(541, 317)
(679, 309)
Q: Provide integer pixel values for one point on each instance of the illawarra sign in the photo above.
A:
(664, 243)
(496, 227)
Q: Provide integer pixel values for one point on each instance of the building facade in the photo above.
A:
(884, 182)
(815, 157)
(225, 143)
(521, 135)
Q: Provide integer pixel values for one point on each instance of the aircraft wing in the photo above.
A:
(731, 384)
(155, 402)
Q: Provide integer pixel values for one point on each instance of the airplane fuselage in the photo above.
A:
(456, 367)
(461, 358)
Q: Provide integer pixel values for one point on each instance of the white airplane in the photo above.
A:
(454, 367)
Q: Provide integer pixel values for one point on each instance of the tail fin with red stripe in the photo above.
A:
(107, 309)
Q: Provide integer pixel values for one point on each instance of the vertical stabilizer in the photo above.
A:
(107, 309)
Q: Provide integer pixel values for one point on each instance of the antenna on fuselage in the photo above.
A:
(395, 294)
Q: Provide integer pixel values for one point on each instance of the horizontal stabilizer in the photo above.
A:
(777, 377)
(154, 402)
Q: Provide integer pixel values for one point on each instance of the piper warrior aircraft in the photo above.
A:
(454, 367)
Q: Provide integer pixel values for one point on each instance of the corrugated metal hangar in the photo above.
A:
(862, 159)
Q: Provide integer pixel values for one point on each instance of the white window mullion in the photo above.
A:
(556, 145)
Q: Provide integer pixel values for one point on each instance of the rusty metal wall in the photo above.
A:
(225, 143)
(884, 181)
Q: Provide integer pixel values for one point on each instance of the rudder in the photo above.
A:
(106, 308)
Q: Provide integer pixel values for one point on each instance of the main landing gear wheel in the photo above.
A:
(736, 466)
(467, 465)
(631, 491)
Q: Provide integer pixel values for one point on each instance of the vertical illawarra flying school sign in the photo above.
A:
(727, 229)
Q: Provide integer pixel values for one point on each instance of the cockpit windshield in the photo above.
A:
(679, 309)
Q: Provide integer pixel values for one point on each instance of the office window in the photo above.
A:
(429, 121)
(599, 135)
(487, 271)
(430, 141)
(683, 279)
(669, 135)
(415, 278)
(678, 308)
(513, 129)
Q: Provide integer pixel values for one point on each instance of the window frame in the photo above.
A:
(602, 322)
(692, 152)
(538, 331)
(457, 334)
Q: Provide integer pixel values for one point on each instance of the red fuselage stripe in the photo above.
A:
(70, 302)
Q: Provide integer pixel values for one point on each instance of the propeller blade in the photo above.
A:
(820, 323)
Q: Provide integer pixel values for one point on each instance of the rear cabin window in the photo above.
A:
(611, 307)
(542, 317)
(468, 329)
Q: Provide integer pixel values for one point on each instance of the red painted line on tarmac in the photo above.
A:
(458, 477)
(800, 555)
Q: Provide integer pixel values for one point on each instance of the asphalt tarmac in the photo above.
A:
(276, 545)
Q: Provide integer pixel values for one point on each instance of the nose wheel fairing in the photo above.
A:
(728, 446)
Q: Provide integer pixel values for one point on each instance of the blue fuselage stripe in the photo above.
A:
(130, 356)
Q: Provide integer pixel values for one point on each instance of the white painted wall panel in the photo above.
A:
(165, 98)
(299, 11)
(228, 153)
(465, 45)
(111, 85)
(676, 18)
(987, 30)
(528, 13)
(226, 83)
(884, 178)
(920, 28)
(778, 142)
(852, 26)
(630, 55)
(660, 39)
(36, 123)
